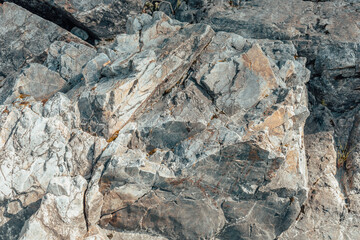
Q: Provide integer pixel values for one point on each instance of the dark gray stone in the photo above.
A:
(25, 39)
(102, 19)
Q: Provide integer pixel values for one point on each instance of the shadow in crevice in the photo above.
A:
(12, 228)
(52, 14)
(320, 119)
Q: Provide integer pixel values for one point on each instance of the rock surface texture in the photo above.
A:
(240, 121)
(100, 18)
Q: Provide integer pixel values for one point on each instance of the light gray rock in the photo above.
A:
(131, 80)
(80, 33)
(60, 216)
(325, 214)
(331, 46)
(29, 82)
(69, 59)
(39, 143)
(189, 152)
(327, 34)
(172, 131)
(92, 70)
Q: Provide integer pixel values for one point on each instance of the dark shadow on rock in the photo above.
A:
(11, 229)
(44, 10)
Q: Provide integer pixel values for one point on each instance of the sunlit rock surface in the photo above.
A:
(176, 130)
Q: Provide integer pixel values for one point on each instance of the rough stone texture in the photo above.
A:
(327, 33)
(174, 131)
(60, 215)
(25, 37)
(69, 59)
(331, 46)
(38, 143)
(191, 152)
(160, 55)
(182, 146)
(101, 18)
(325, 215)
(29, 81)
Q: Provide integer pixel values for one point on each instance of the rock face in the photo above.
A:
(101, 18)
(31, 79)
(175, 131)
(327, 34)
(25, 37)
(198, 157)
(61, 209)
(330, 46)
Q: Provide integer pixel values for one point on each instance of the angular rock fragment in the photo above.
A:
(69, 59)
(36, 81)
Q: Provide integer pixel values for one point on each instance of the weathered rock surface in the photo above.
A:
(101, 18)
(330, 45)
(29, 81)
(174, 130)
(61, 210)
(200, 150)
(327, 33)
(161, 53)
(25, 37)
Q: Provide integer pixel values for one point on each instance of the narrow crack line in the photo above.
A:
(12, 131)
(84, 208)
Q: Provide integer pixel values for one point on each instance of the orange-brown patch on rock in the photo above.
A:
(113, 137)
(253, 155)
(6, 111)
(257, 62)
(277, 131)
(273, 121)
(292, 161)
(290, 71)
(107, 63)
(69, 8)
(179, 181)
(25, 104)
(104, 185)
(22, 96)
(152, 151)
(114, 202)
